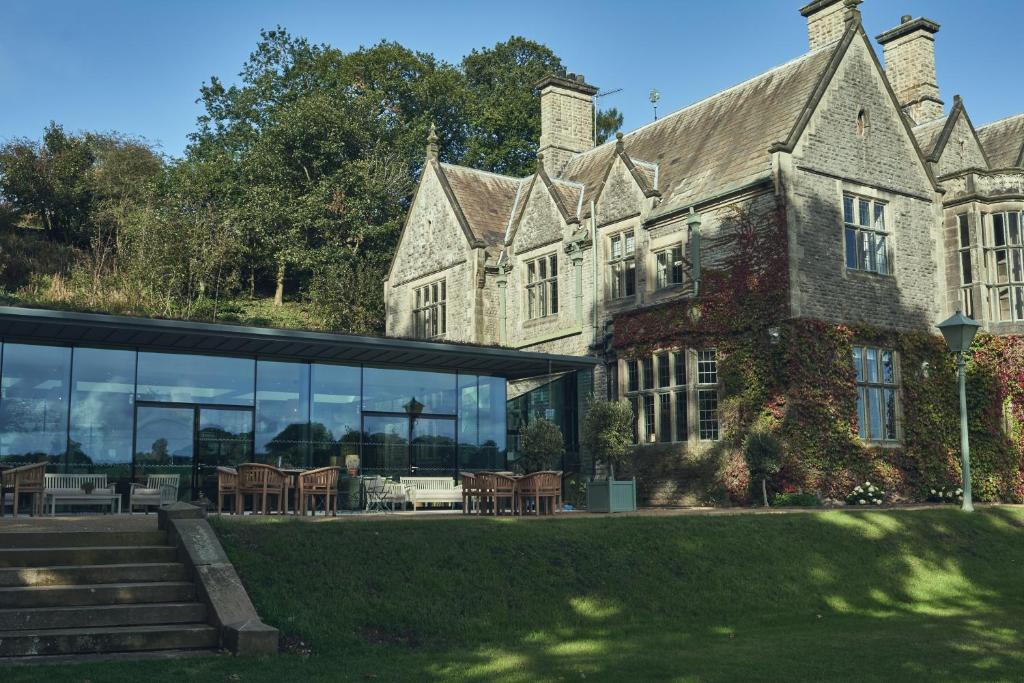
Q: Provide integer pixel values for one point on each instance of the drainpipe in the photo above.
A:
(576, 256)
(693, 221)
(595, 251)
(502, 281)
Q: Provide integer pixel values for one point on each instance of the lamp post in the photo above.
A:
(959, 331)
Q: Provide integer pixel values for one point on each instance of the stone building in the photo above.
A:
(893, 213)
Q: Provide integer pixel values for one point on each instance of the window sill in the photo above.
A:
(887, 445)
(870, 274)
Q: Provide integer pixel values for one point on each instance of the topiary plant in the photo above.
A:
(763, 452)
(607, 432)
(540, 445)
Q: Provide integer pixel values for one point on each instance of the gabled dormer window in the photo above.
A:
(622, 264)
(430, 312)
(542, 286)
(867, 241)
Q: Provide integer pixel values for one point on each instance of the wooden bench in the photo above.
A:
(66, 489)
(159, 490)
(433, 490)
(26, 480)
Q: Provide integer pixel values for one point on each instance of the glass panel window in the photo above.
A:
(1004, 256)
(34, 402)
(664, 371)
(679, 361)
(542, 286)
(648, 418)
(633, 375)
(409, 391)
(334, 429)
(707, 367)
(282, 413)
(622, 265)
(430, 313)
(634, 405)
(669, 267)
(865, 235)
(682, 420)
(102, 408)
(648, 372)
(877, 393)
(707, 414)
(180, 378)
(665, 417)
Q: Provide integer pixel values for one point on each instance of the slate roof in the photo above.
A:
(486, 200)
(927, 134)
(718, 143)
(1003, 141)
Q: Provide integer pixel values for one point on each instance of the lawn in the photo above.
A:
(932, 595)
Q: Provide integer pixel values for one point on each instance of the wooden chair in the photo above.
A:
(319, 482)
(27, 479)
(469, 492)
(227, 485)
(504, 490)
(256, 479)
(538, 488)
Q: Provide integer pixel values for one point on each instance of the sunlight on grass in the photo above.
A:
(509, 666)
(592, 608)
(577, 647)
(871, 525)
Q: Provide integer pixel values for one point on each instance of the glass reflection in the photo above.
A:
(34, 402)
(102, 400)
(334, 429)
(282, 413)
(397, 391)
(180, 378)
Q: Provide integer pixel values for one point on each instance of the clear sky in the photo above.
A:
(136, 66)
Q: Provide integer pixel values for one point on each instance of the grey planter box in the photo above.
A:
(605, 495)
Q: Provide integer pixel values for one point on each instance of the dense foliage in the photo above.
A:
(541, 446)
(293, 187)
(794, 378)
(607, 433)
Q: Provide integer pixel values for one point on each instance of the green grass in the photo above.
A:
(933, 595)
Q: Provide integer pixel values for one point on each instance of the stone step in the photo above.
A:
(107, 639)
(64, 556)
(96, 594)
(95, 616)
(69, 539)
(88, 574)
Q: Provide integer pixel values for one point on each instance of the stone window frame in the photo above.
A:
(622, 266)
(855, 227)
(877, 388)
(966, 267)
(1011, 244)
(684, 388)
(541, 289)
(430, 310)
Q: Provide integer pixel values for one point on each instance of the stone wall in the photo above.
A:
(833, 157)
(962, 151)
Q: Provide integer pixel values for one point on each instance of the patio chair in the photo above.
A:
(504, 490)
(381, 491)
(24, 480)
(538, 488)
(319, 482)
(159, 490)
(469, 492)
(261, 482)
(227, 485)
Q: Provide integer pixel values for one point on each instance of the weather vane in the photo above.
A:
(654, 97)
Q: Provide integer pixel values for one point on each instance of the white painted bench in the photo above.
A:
(434, 490)
(66, 489)
(159, 490)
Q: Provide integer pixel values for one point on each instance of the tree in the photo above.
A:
(541, 445)
(50, 181)
(763, 452)
(607, 432)
(504, 118)
(609, 121)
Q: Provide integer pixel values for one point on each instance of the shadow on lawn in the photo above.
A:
(839, 595)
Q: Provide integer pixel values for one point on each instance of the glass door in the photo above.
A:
(433, 447)
(386, 446)
(165, 444)
(223, 439)
(400, 445)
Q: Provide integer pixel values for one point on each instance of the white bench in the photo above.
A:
(433, 490)
(159, 490)
(67, 489)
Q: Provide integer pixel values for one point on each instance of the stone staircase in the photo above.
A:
(97, 592)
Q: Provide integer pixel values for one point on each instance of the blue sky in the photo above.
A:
(136, 67)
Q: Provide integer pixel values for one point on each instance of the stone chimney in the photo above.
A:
(909, 51)
(826, 20)
(566, 119)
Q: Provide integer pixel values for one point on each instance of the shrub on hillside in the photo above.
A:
(796, 500)
(866, 494)
(763, 452)
(945, 494)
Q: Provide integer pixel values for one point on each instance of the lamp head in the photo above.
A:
(959, 331)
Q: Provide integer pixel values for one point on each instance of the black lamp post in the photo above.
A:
(959, 331)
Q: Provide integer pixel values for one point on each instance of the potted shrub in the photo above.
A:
(541, 446)
(607, 432)
(764, 458)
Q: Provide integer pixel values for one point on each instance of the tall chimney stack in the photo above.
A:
(826, 20)
(909, 51)
(566, 119)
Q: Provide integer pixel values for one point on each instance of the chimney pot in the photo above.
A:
(909, 51)
(905, 19)
(828, 19)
